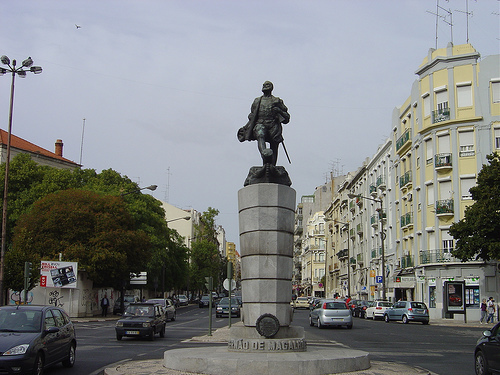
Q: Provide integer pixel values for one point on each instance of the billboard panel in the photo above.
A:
(58, 274)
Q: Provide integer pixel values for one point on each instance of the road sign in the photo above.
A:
(226, 284)
(379, 279)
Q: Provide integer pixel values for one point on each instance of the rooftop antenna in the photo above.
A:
(438, 16)
(467, 14)
(81, 145)
(167, 187)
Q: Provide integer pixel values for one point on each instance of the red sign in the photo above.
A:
(43, 281)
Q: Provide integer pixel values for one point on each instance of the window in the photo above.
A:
(444, 144)
(465, 185)
(49, 320)
(442, 100)
(58, 317)
(464, 95)
(497, 138)
(445, 190)
(432, 296)
(426, 101)
(430, 194)
(429, 151)
(466, 140)
(447, 246)
(495, 91)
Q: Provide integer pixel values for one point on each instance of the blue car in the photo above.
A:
(408, 311)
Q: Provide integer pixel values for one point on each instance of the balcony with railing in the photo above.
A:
(352, 234)
(444, 207)
(443, 161)
(407, 261)
(352, 205)
(405, 180)
(407, 220)
(376, 252)
(374, 220)
(352, 261)
(373, 190)
(440, 115)
(359, 229)
(359, 259)
(437, 256)
(343, 253)
(403, 140)
(381, 184)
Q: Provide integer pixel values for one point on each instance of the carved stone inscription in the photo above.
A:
(267, 345)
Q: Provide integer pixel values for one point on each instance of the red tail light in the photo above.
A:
(378, 308)
(410, 309)
(324, 305)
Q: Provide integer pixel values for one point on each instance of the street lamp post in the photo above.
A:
(21, 72)
(382, 237)
(151, 187)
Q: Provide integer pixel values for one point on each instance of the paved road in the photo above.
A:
(441, 349)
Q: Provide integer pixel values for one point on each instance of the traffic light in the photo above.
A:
(27, 274)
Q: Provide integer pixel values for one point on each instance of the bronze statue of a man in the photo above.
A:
(267, 114)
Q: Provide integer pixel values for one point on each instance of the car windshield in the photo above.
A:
(385, 304)
(135, 310)
(225, 301)
(20, 320)
(205, 297)
(334, 306)
(158, 301)
(418, 305)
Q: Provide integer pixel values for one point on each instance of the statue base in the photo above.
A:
(268, 173)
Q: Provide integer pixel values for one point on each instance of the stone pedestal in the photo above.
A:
(266, 218)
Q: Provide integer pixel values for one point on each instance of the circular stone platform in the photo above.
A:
(218, 360)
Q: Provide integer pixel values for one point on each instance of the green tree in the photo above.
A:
(95, 230)
(478, 233)
(205, 257)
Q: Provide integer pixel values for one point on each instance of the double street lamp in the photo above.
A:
(26, 66)
(382, 237)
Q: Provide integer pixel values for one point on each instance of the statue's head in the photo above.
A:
(267, 86)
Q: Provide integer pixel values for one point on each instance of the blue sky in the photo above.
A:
(165, 85)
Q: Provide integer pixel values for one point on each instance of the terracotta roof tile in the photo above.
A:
(23, 144)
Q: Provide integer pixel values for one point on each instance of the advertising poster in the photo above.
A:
(58, 274)
(455, 296)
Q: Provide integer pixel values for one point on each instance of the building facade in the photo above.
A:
(387, 224)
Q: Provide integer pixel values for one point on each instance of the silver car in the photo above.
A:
(330, 312)
(408, 311)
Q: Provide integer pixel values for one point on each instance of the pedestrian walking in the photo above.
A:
(491, 310)
(104, 305)
(483, 311)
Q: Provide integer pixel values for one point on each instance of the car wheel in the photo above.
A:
(70, 359)
(480, 363)
(386, 318)
(38, 366)
(320, 325)
(349, 326)
(425, 322)
(118, 337)
(152, 335)
(311, 323)
(405, 319)
(173, 316)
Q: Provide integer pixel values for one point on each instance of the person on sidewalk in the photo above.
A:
(491, 310)
(483, 311)
(105, 305)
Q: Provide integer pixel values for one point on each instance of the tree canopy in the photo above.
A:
(30, 182)
(95, 230)
(478, 233)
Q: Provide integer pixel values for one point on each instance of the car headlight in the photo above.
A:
(146, 325)
(119, 324)
(219, 308)
(17, 350)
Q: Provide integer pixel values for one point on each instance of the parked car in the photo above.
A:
(117, 308)
(352, 304)
(359, 308)
(141, 320)
(301, 303)
(168, 307)
(487, 352)
(376, 309)
(223, 308)
(204, 301)
(330, 312)
(35, 337)
(408, 311)
(182, 300)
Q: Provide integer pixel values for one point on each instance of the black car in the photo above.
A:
(204, 301)
(359, 309)
(223, 308)
(35, 337)
(141, 320)
(487, 353)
